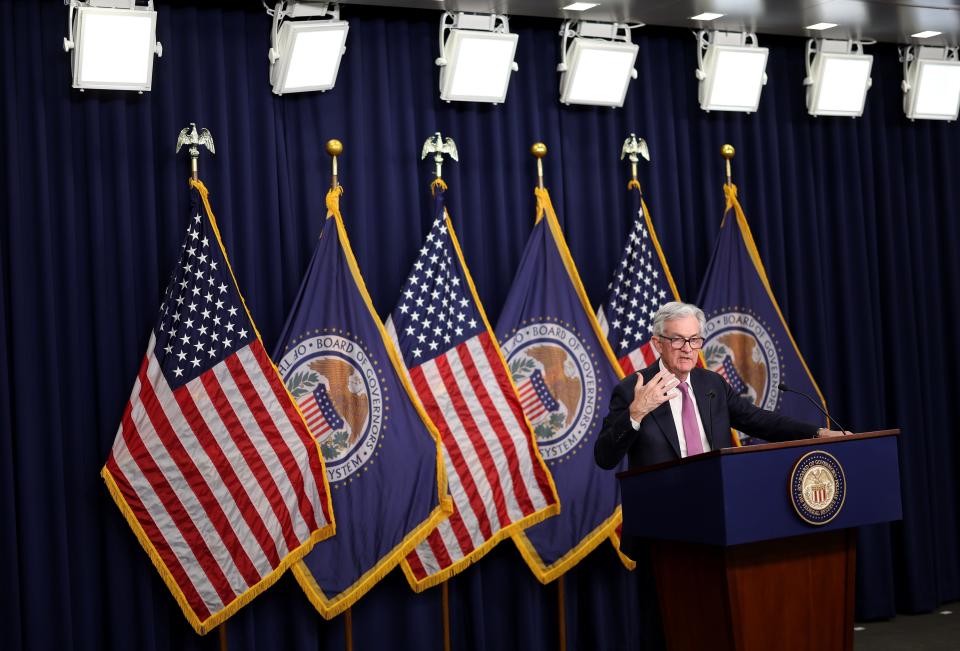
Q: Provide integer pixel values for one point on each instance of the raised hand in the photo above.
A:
(647, 397)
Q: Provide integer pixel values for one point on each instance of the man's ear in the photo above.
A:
(655, 340)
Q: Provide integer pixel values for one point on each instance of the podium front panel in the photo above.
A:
(757, 495)
(739, 497)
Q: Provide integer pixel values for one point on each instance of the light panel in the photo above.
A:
(308, 55)
(706, 16)
(477, 66)
(113, 48)
(580, 6)
(733, 77)
(598, 72)
(934, 90)
(839, 84)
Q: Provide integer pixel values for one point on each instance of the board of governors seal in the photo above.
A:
(817, 487)
(741, 348)
(556, 379)
(340, 395)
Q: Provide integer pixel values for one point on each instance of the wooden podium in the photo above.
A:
(736, 566)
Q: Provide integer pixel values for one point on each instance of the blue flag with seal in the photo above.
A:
(747, 340)
(382, 452)
(565, 373)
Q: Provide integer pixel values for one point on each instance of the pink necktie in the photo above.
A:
(691, 433)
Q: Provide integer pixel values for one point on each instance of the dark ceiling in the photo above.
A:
(891, 21)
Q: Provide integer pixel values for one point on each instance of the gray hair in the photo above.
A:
(676, 310)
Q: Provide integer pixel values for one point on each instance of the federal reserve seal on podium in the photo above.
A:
(817, 487)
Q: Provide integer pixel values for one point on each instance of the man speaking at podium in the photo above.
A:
(676, 409)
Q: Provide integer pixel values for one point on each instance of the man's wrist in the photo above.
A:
(635, 416)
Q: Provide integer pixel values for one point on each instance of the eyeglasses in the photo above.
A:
(695, 343)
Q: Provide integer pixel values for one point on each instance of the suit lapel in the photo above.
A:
(662, 415)
(664, 418)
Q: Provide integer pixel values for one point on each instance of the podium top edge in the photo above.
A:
(748, 449)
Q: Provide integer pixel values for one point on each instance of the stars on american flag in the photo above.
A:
(201, 319)
(638, 289)
(436, 311)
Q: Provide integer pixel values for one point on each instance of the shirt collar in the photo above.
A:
(689, 375)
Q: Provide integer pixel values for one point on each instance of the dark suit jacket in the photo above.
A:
(657, 440)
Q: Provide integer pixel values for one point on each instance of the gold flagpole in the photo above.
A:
(439, 146)
(334, 147)
(445, 599)
(190, 136)
(562, 613)
(348, 628)
(539, 150)
(727, 152)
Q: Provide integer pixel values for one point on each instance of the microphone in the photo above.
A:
(784, 387)
(710, 394)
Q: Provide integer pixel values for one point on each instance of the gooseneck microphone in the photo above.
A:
(710, 394)
(784, 387)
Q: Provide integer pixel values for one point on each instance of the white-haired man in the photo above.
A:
(676, 409)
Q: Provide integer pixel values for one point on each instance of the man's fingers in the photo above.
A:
(653, 386)
(639, 385)
(670, 388)
(667, 382)
(662, 385)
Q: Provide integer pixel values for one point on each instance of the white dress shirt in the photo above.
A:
(676, 408)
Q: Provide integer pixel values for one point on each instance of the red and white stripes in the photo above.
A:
(494, 475)
(313, 414)
(221, 474)
(530, 401)
(639, 358)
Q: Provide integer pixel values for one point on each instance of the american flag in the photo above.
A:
(728, 371)
(640, 285)
(535, 398)
(213, 465)
(319, 412)
(496, 477)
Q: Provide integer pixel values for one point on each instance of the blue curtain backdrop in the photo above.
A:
(856, 221)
